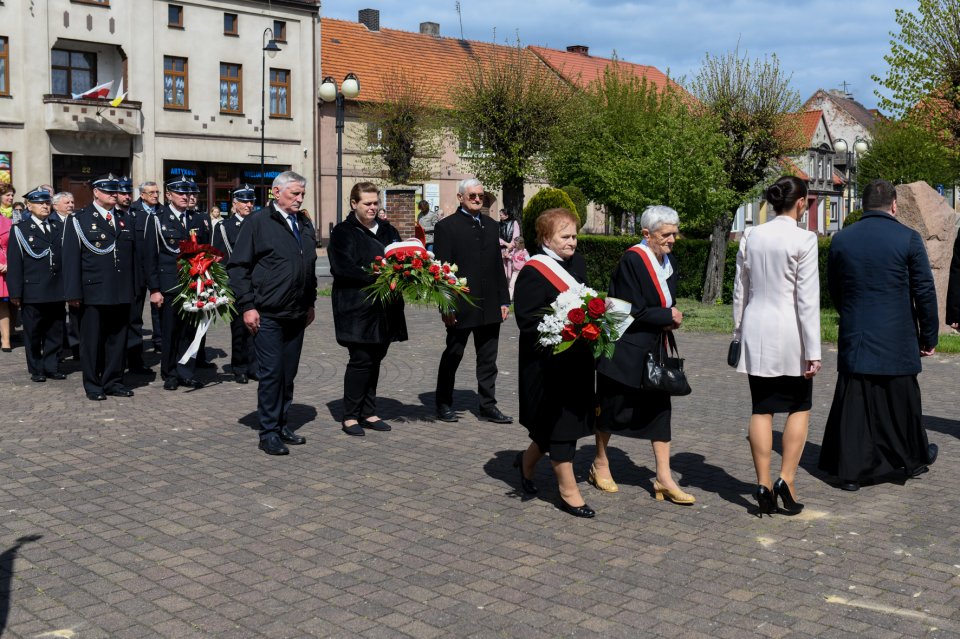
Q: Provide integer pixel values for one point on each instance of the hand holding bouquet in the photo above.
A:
(408, 269)
(579, 313)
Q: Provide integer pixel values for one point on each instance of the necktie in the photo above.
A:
(46, 228)
(293, 225)
(183, 219)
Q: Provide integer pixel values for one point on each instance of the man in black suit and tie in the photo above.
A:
(882, 287)
(98, 271)
(243, 357)
(144, 207)
(470, 239)
(129, 216)
(35, 284)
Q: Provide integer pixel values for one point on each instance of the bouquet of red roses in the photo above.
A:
(204, 289)
(408, 269)
(579, 313)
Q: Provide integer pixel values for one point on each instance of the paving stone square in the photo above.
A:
(157, 516)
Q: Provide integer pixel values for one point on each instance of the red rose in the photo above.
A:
(434, 269)
(446, 269)
(199, 304)
(213, 299)
(418, 264)
(576, 315)
(193, 285)
(590, 332)
(596, 307)
(378, 258)
(393, 286)
(568, 334)
(406, 273)
(397, 267)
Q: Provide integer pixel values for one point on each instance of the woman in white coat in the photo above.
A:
(776, 317)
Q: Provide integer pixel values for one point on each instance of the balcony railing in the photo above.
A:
(62, 113)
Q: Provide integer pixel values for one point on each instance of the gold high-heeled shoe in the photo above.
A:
(675, 495)
(606, 485)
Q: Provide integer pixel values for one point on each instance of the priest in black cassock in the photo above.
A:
(882, 287)
(557, 400)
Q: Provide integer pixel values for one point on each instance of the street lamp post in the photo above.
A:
(270, 48)
(860, 146)
(329, 92)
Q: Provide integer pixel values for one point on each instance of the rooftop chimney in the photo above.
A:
(430, 28)
(370, 18)
(582, 49)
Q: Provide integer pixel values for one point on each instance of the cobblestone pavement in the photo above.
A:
(157, 516)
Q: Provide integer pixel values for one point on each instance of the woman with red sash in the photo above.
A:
(646, 278)
(557, 401)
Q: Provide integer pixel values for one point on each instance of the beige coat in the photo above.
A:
(776, 299)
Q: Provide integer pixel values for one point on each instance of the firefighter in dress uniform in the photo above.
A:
(132, 217)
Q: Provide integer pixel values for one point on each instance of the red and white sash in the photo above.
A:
(413, 247)
(552, 271)
(657, 273)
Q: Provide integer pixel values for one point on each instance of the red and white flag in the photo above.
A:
(96, 93)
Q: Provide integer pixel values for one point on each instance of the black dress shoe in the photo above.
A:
(379, 425)
(37, 378)
(287, 436)
(254, 377)
(356, 430)
(96, 397)
(849, 486)
(271, 445)
(526, 485)
(494, 415)
(932, 452)
(56, 375)
(446, 414)
(190, 382)
(171, 383)
(577, 511)
(240, 378)
(120, 391)
(139, 370)
(207, 365)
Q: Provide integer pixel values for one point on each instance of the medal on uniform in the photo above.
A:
(173, 217)
(30, 239)
(163, 228)
(102, 236)
(120, 222)
(93, 227)
(97, 244)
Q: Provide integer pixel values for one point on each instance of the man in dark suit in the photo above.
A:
(35, 284)
(882, 287)
(145, 206)
(470, 239)
(171, 225)
(98, 271)
(63, 205)
(243, 357)
(272, 275)
(128, 216)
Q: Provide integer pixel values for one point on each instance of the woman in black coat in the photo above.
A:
(557, 400)
(625, 408)
(363, 325)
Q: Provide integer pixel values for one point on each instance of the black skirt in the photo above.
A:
(632, 412)
(784, 394)
(874, 428)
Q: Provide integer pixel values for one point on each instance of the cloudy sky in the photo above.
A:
(823, 43)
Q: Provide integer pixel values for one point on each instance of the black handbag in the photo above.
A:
(733, 354)
(663, 371)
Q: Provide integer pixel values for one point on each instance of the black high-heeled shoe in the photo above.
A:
(526, 485)
(577, 511)
(765, 500)
(790, 505)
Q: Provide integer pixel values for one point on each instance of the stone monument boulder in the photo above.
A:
(923, 209)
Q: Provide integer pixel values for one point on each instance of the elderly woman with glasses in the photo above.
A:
(647, 278)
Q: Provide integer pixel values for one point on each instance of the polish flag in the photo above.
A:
(96, 93)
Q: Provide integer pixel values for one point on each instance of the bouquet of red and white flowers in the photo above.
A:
(579, 313)
(204, 288)
(408, 269)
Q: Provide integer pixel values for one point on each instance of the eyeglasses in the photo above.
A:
(473, 196)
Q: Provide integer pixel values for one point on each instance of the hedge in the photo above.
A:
(602, 252)
(545, 199)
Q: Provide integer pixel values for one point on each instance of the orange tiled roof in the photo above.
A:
(798, 128)
(377, 56)
(582, 69)
(791, 166)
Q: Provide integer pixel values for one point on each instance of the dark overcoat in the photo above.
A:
(882, 287)
(96, 277)
(631, 281)
(475, 249)
(953, 288)
(357, 319)
(35, 280)
(557, 398)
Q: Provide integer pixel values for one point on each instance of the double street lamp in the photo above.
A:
(329, 92)
(860, 146)
(270, 48)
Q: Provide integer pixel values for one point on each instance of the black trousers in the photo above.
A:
(135, 334)
(177, 333)
(103, 344)
(485, 342)
(42, 336)
(71, 332)
(360, 380)
(155, 325)
(243, 357)
(278, 344)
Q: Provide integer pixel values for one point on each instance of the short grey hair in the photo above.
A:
(60, 196)
(657, 215)
(467, 184)
(144, 185)
(288, 177)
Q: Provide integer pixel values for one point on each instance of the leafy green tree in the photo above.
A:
(631, 145)
(509, 105)
(751, 100)
(579, 200)
(904, 152)
(404, 131)
(924, 73)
